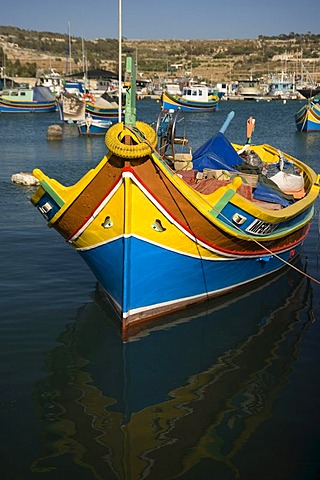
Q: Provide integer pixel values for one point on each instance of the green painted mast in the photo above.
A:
(131, 94)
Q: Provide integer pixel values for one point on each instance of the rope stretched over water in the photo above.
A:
(273, 253)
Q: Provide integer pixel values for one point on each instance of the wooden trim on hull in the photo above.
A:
(93, 194)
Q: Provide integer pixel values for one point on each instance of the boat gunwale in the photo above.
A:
(128, 172)
(197, 200)
(272, 216)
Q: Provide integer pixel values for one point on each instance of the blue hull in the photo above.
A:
(94, 130)
(308, 118)
(28, 109)
(189, 108)
(152, 276)
(111, 114)
(309, 127)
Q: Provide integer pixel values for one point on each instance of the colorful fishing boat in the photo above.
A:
(27, 100)
(75, 108)
(307, 118)
(162, 230)
(194, 98)
(103, 108)
(91, 127)
(71, 107)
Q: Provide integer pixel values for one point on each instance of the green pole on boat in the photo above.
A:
(131, 110)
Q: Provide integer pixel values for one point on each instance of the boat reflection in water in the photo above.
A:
(178, 400)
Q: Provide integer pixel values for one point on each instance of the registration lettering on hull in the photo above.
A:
(259, 227)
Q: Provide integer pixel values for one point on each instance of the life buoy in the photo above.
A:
(145, 138)
(88, 96)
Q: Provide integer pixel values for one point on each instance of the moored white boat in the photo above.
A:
(249, 89)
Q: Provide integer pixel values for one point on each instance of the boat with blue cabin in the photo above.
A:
(282, 88)
(163, 230)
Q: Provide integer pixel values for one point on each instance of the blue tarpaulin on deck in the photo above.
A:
(216, 153)
(42, 94)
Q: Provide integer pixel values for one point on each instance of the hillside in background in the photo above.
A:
(23, 52)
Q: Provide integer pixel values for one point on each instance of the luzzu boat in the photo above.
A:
(104, 108)
(27, 100)
(161, 231)
(75, 108)
(194, 98)
(307, 118)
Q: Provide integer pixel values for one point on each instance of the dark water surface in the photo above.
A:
(227, 391)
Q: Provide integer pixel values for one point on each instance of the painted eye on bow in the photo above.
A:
(107, 222)
(157, 226)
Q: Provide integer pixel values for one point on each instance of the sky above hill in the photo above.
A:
(164, 19)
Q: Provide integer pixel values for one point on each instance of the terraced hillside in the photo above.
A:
(24, 52)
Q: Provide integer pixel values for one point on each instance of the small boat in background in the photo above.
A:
(103, 108)
(51, 80)
(27, 100)
(282, 87)
(71, 107)
(309, 91)
(307, 85)
(249, 89)
(194, 98)
(75, 107)
(161, 230)
(75, 87)
(307, 118)
(91, 127)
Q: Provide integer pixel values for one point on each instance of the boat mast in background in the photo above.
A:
(120, 61)
(85, 67)
(68, 60)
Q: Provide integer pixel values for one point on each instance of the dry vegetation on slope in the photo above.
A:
(24, 52)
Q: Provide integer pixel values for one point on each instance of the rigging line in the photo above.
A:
(270, 251)
(242, 231)
(305, 118)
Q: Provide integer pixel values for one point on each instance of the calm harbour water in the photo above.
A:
(227, 391)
